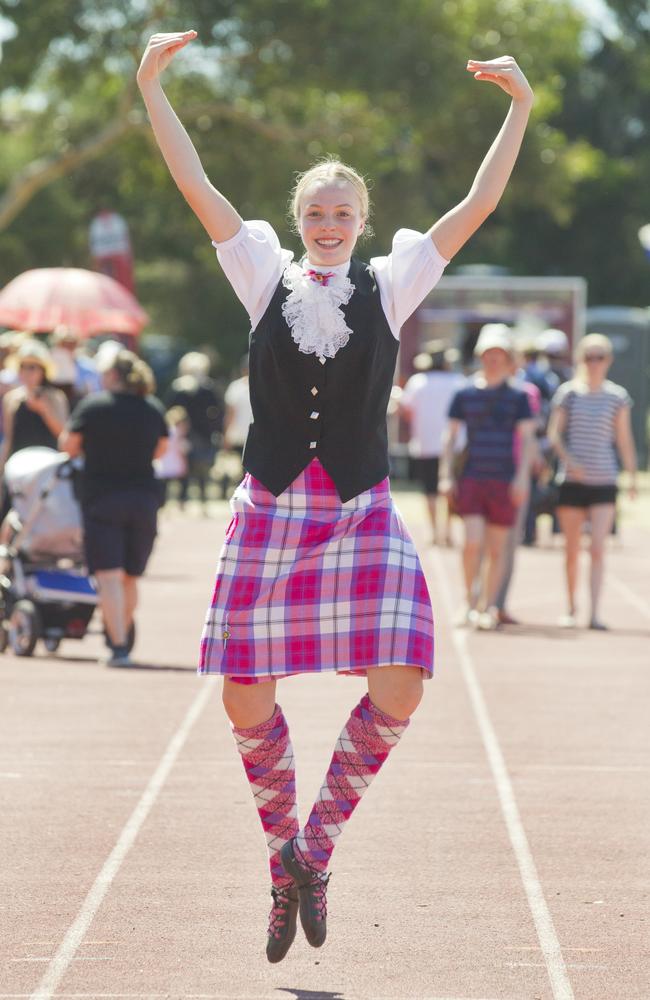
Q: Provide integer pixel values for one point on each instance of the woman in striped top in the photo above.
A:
(591, 432)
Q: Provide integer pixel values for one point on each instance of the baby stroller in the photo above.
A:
(45, 591)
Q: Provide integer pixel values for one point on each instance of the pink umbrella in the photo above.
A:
(89, 302)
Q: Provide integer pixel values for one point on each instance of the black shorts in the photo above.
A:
(582, 495)
(425, 470)
(120, 530)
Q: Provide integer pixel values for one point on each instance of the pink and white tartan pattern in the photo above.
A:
(361, 750)
(306, 583)
(267, 754)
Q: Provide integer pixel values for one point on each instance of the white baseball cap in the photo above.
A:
(106, 354)
(495, 335)
(553, 341)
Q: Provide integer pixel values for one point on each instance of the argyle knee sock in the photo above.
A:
(268, 761)
(364, 744)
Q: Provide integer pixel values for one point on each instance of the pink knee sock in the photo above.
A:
(364, 744)
(268, 760)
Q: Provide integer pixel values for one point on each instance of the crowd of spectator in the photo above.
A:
(521, 435)
(136, 448)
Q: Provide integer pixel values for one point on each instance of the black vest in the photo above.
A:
(335, 411)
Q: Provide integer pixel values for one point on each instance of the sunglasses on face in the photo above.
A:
(595, 357)
(27, 366)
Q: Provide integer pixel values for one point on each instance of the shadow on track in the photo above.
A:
(311, 994)
(525, 629)
(555, 632)
(74, 661)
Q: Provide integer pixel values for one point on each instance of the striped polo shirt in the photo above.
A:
(590, 431)
(491, 416)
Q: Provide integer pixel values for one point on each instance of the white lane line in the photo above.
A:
(538, 907)
(588, 768)
(78, 929)
(630, 596)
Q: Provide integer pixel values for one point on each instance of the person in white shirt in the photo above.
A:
(425, 402)
(239, 415)
(318, 572)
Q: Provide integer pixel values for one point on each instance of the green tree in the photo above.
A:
(268, 88)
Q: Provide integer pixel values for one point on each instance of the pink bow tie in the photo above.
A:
(320, 277)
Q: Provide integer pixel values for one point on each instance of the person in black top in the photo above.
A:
(120, 431)
(200, 397)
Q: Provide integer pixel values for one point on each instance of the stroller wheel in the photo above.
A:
(51, 644)
(24, 628)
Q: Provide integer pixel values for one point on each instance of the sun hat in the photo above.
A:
(63, 334)
(106, 355)
(495, 335)
(422, 362)
(11, 340)
(33, 350)
(553, 342)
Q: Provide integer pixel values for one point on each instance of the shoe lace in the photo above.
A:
(281, 904)
(317, 886)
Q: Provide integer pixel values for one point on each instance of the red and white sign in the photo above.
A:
(110, 247)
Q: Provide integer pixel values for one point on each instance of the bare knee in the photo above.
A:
(493, 552)
(248, 705)
(109, 578)
(396, 690)
(572, 549)
(597, 553)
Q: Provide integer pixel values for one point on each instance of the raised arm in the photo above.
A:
(454, 229)
(215, 212)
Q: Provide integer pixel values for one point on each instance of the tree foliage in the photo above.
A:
(269, 87)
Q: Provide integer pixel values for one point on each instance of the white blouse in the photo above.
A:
(254, 262)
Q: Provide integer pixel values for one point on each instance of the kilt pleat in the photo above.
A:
(308, 584)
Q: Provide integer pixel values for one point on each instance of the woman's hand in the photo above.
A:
(159, 52)
(446, 486)
(505, 72)
(574, 472)
(37, 402)
(518, 490)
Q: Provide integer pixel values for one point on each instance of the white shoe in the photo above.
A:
(488, 621)
(466, 618)
(567, 621)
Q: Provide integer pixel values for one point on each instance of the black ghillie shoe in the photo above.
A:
(282, 922)
(312, 889)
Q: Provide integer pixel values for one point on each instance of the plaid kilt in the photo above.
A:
(306, 584)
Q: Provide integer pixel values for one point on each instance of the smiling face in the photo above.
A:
(331, 221)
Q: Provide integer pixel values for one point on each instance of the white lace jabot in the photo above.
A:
(313, 308)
